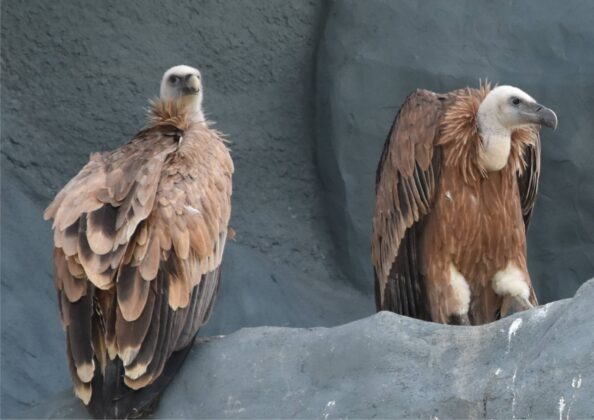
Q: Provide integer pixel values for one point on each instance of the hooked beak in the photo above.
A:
(542, 115)
(192, 85)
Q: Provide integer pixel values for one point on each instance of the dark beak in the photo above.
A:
(542, 115)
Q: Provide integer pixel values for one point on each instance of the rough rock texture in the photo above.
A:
(537, 364)
(373, 53)
(33, 360)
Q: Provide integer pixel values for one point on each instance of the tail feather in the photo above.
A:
(113, 399)
(95, 337)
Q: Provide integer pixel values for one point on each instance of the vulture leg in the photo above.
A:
(513, 304)
(513, 284)
(506, 306)
(523, 303)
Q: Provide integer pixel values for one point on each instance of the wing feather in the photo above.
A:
(74, 288)
(78, 332)
(528, 186)
(528, 181)
(405, 187)
(131, 334)
(148, 347)
(151, 259)
(101, 229)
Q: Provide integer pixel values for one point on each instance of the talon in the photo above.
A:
(523, 303)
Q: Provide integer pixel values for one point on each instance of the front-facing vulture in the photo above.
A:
(139, 235)
(455, 189)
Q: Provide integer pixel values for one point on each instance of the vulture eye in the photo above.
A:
(174, 79)
(515, 101)
(198, 76)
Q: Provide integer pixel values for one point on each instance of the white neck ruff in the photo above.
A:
(495, 151)
(496, 140)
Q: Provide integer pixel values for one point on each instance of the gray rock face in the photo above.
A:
(374, 53)
(33, 358)
(537, 364)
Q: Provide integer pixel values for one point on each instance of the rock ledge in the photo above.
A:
(537, 364)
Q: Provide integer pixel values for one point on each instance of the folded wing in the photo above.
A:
(139, 235)
(406, 180)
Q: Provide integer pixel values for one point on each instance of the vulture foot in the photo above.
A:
(513, 304)
(523, 303)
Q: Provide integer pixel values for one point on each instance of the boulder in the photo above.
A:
(535, 364)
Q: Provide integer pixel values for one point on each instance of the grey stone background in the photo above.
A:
(306, 92)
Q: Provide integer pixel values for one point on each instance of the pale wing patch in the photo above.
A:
(461, 291)
(511, 281)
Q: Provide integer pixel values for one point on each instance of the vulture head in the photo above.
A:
(183, 83)
(511, 108)
(505, 109)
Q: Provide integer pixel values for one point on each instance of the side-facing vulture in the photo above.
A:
(139, 235)
(455, 189)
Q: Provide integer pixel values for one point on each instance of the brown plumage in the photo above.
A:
(449, 231)
(139, 235)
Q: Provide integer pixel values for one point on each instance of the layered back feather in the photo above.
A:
(139, 235)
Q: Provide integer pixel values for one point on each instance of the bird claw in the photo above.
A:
(513, 304)
(523, 303)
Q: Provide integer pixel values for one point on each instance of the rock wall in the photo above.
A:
(373, 53)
